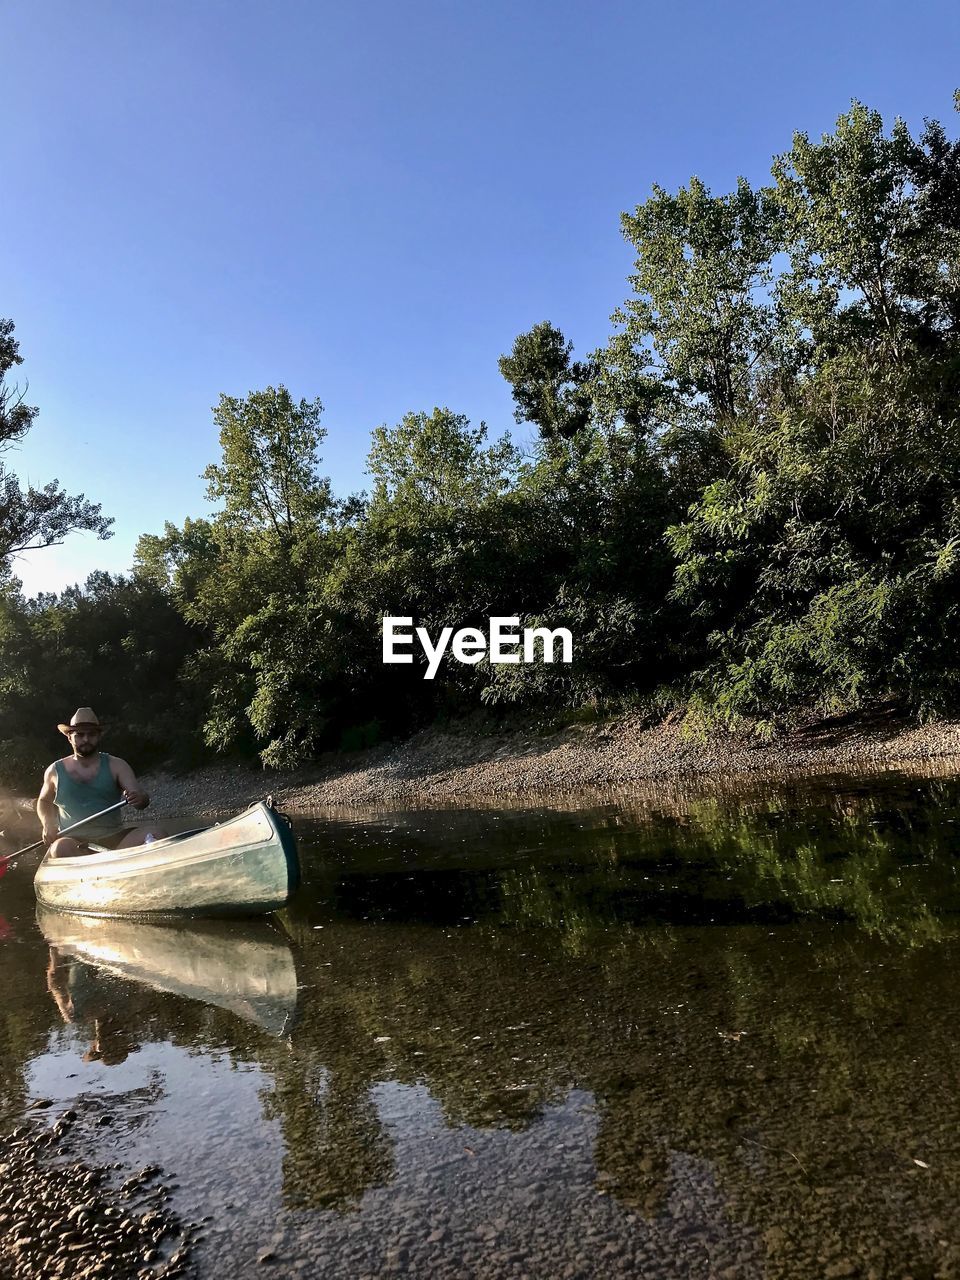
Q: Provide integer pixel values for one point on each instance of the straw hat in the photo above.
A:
(82, 718)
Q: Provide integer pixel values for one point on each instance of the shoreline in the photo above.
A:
(461, 766)
(441, 768)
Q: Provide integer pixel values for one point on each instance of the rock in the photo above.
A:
(53, 1222)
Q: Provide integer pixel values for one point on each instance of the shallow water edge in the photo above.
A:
(670, 1035)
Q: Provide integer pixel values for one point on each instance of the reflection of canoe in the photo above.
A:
(244, 866)
(244, 967)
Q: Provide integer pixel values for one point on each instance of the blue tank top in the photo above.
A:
(76, 800)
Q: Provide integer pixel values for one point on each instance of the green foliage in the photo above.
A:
(437, 462)
(871, 228)
(750, 496)
(608, 633)
(702, 271)
(246, 580)
(32, 518)
(817, 563)
(268, 474)
(439, 542)
(117, 644)
(549, 389)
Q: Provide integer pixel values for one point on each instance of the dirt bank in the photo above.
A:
(446, 767)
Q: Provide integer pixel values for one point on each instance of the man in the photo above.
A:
(84, 783)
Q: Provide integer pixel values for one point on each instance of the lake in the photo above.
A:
(668, 1032)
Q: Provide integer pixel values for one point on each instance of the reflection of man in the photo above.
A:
(58, 984)
(82, 784)
(111, 1044)
(73, 986)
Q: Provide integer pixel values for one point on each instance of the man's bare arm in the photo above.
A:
(126, 780)
(46, 809)
(58, 984)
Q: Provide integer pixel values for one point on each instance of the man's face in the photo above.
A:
(85, 741)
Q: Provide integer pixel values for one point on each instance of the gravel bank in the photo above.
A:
(60, 1216)
(449, 767)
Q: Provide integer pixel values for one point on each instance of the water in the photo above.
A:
(671, 1035)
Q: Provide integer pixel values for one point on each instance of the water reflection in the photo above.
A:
(880, 857)
(82, 999)
(245, 968)
(623, 1040)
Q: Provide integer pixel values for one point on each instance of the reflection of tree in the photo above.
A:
(787, 1064)
(879, 866)
(877, 860)
(810, 1096)
(431, 1007)
(881, 857)
(21, 1038)
(633, 1156)
(335, 1147)
(803, 1065)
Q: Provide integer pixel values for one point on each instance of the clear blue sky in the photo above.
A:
(366, 201)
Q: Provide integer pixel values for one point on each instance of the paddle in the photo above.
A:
(7, 859)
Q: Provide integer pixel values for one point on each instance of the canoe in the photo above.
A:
(245, 967)
(245, 866)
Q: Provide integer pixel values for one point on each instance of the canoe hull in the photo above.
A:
(245, 866)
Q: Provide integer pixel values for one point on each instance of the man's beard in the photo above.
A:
(85, 748)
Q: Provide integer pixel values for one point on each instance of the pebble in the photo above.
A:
(96, 1239)
(436, 766)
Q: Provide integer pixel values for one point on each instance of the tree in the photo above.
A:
(871, 223)
(703, 268)
(438, 460)
(819, 561)
(251, 581)
(34, 518)
(268, 475)
(549, 389)
(118, 643)
(436, 542)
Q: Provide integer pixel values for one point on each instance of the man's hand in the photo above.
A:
(49, 835)
(139, 799)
